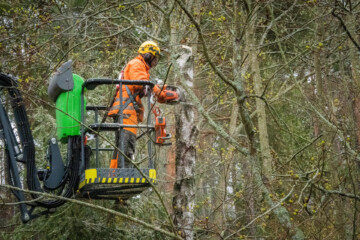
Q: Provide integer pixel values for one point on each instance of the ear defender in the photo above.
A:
(148, 57)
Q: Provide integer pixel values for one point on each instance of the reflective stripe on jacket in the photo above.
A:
(136, 69)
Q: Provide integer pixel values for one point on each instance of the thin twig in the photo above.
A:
(130, 218)
(264, 214)
(348, 195)
(306, 185)
(26, 202)
(122, 153)
(346, 30)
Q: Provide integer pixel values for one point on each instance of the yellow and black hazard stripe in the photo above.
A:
(91, 177)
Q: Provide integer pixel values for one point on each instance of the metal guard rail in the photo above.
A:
(92, 83)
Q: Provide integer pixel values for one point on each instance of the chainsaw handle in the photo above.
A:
(168, 136)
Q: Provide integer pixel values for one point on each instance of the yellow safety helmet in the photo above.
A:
(149, 47)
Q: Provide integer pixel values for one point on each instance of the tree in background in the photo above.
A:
(276, 90)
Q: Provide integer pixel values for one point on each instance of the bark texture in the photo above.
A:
(355, 71)
(186, 135)
(260, 107)
(170, 170)
(254, 166)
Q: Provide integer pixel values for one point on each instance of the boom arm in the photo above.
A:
(18, 129)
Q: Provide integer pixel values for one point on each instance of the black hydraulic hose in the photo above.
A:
(28, 148)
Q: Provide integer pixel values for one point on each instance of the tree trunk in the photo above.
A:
(260, 108)
(254, 165)
(186, 135)
(355, 70)
(170, 170)
(233, 154)
(317, 63)
(318, 90)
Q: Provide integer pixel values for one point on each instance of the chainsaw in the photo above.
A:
(160, 124)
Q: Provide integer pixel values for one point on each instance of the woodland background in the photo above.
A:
(275, 100)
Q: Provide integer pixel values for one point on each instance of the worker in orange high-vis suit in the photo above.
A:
(137, 69)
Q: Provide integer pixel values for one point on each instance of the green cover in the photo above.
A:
(68, 110)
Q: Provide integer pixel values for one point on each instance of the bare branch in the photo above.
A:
(348, 195)
(212, 64)
(135, 220)
(263, 214)
(346, 29)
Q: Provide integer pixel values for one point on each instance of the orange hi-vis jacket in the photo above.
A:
(136, 69)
